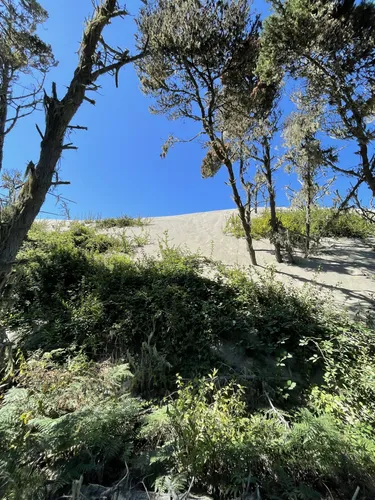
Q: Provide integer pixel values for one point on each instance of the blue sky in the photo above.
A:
(117, 168)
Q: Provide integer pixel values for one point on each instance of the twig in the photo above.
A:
(40, 132)
(186, 495)
(143, 484)
(91, 101)
(354, 497)
(278, 413)
(77, 127)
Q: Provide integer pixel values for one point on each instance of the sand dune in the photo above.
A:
(344, 268)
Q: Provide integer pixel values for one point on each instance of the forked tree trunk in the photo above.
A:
(272, 198)
(59, 114)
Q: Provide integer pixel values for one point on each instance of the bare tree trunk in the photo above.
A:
(308, 228)
(272, 198)
(308, 210)
(3, 110)
(245, 219)
(59, 114)
(256, 193)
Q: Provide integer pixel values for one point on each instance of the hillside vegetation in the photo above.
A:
(125, 373)
(275, 389)
(324, 224)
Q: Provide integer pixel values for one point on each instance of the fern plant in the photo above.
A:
(68, 420)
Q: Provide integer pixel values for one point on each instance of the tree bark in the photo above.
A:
(366, 167)
(246, 225)
(4, 89)
(58, 115)
(308, 210)
(272, 198)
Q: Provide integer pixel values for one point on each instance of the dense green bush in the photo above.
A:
(289, 411)
(108, 304)
(348, 224)
(77, 236)
(207, 436)
(165, 316)
(64, 420)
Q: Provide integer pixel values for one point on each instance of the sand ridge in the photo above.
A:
(343, 267)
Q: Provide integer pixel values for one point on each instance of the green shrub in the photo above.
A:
(211, 439)
(77, 236)
(348, 224)
(290, 410)
(122, 221)
(64, 420)
(348, 387)
(108, 305)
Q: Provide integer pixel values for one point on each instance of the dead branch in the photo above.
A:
(91, 101)
(77, 127)
(39, 131)
(116, 66)
(367, 213)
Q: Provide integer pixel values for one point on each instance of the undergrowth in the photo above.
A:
(122, 221)
(63, 420)
(348, 224)
(206, 433)
(286, 410)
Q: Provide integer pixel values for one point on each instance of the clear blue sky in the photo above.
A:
(117, 168)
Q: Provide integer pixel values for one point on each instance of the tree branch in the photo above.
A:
(117, 66)
(91, 101)
(77, 127)
(39, 131)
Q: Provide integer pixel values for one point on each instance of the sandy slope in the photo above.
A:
(344, 267)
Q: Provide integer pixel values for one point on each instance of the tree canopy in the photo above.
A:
(330, 45)
(24, 61)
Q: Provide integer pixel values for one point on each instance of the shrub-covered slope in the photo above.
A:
(275, 388)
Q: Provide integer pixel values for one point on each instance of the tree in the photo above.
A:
(262, 137)
(59, 113)
(200, 66)
(306, 156)
(24, 60)
(330, 45)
